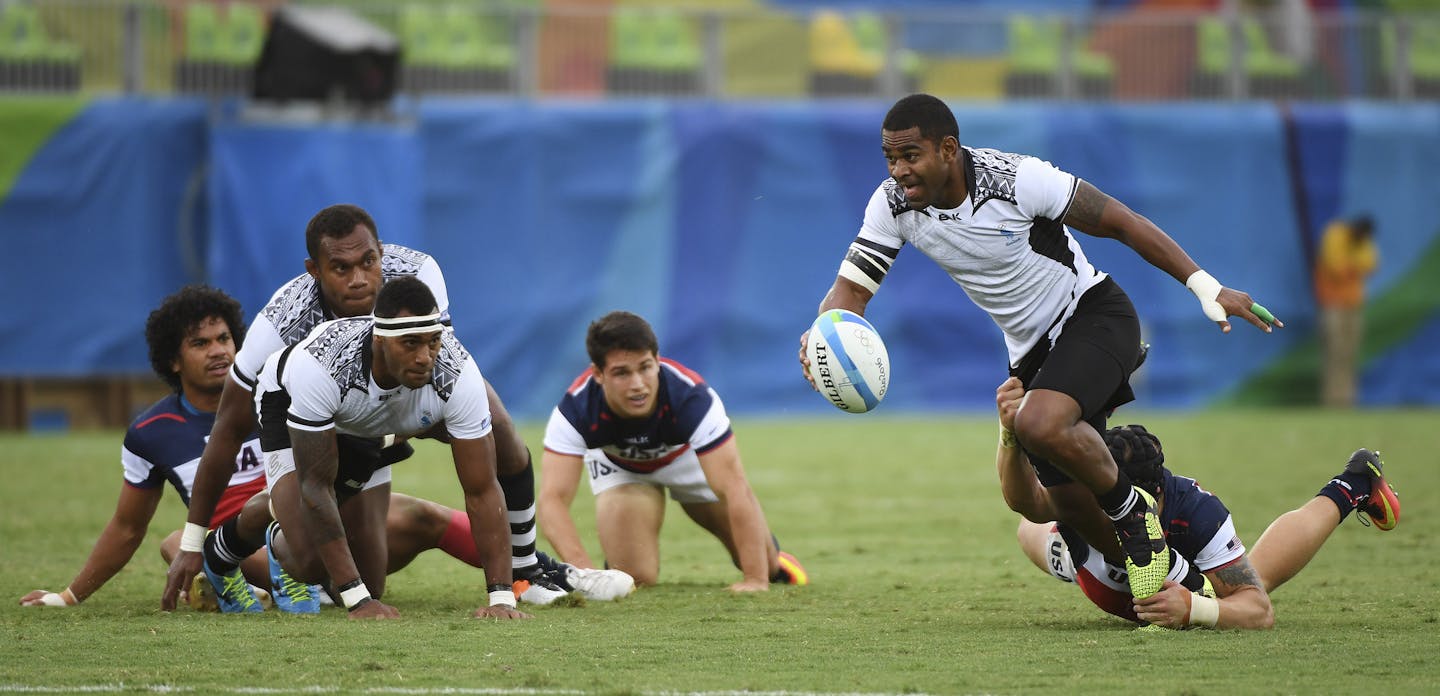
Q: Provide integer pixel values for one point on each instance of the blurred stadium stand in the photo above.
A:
(1343, 70)
(963, 49)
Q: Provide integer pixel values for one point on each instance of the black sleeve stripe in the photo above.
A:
(881, 262)
(858, 259)
(280, 364)
(1074, 188)
(309, 423)
(885, 251)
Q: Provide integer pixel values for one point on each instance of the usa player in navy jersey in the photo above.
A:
(637, 425)
(192, 338)
(344, 270)
(1197, 525)
(999, 224)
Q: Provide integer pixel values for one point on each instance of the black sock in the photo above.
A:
(780, 576)
(1348, 491)
(224, 549)
(1120, 500)
(1193, 580)
(519, 490)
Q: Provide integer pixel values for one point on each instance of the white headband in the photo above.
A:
(400, 326)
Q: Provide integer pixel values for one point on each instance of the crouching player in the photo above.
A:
(1197, 525)
(397, 372)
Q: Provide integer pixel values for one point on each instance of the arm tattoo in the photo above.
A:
(316, 464)
(1239, 574)
(1086, 208)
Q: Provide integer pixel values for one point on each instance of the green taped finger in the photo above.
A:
(1259, 310)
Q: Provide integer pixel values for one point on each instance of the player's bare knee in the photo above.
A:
(257, 507)
(645, 578)
(514, 457)
(1038, 428)
(170, 546)
(417, 519)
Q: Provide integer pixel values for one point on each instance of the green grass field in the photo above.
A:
(918, 585)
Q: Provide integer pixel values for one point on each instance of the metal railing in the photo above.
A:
(164, 47)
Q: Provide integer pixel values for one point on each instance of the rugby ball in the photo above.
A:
(848, 360)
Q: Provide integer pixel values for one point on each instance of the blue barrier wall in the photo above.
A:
(723, 223)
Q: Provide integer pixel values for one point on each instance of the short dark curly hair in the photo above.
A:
(404, 294)
(335, 222)
(178, 315)
(1138, 453)
(934, 119)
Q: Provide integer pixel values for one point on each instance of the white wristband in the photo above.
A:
(502, 598)
(1207, 289)
(193, 538)
(1204, 611)
(64, 598)
(354, 595)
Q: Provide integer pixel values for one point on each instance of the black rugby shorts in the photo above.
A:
(1091, 362)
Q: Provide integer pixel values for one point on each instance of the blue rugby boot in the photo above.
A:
(290, 595)
(232, 592)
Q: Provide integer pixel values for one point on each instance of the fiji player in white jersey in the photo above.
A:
(998, 224)
(345, 268)
(398, 373)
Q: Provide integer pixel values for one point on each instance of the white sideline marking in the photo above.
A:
(404, 691)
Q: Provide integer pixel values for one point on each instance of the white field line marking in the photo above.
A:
(381, 690)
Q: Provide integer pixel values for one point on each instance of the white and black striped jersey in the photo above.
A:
(297, 308)
(1005, 244)
(325, 381)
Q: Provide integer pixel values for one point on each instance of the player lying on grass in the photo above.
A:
(192, 338)
(638, 425)
(1197, 525)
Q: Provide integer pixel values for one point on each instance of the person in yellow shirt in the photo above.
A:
(1347, 256)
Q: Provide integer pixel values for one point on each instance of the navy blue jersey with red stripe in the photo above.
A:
(1196, 524)
(165, 442)
(688, 415)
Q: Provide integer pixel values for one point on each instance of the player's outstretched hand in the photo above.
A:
(374, 609)
(182, 570)
(1239, 304)
(1170, 607)
(500, 611)
(805, 362)
(46, 598)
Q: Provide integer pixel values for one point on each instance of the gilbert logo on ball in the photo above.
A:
(848, 360)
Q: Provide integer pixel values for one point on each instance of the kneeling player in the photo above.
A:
(637, 425)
